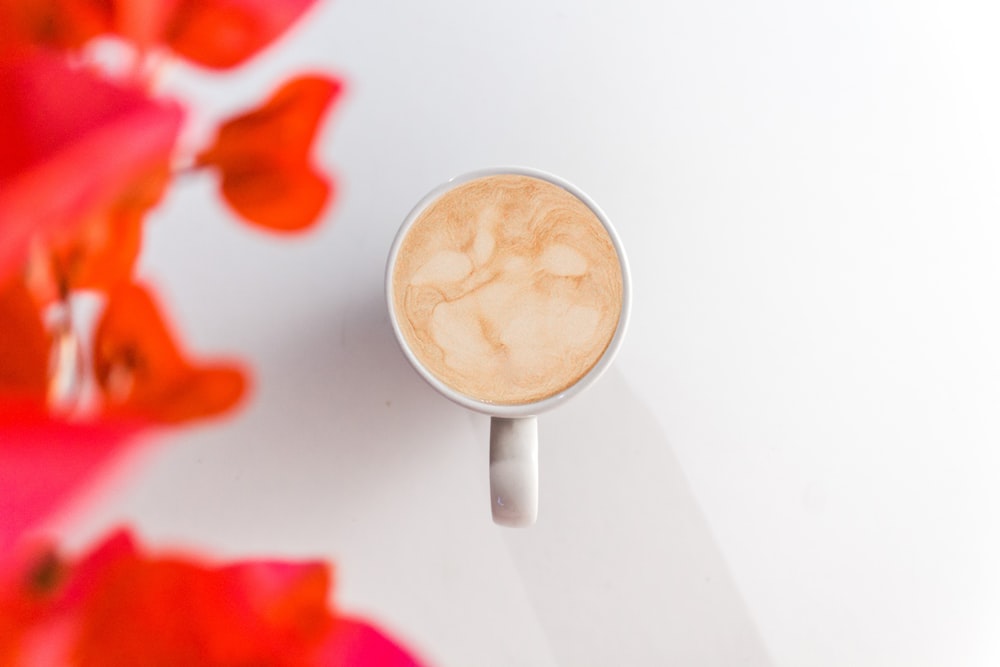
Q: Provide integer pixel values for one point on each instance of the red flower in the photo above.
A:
(224, 33)
(101, 251)
(24, 346)
(168, 611)
(72, 144)
(263, 156)
(61, 24)
(142, 372)
(27, 596)
(120, 606)
(43, 461)
(213, 33)
(356, 643)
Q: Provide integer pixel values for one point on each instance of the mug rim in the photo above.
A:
(533, 408)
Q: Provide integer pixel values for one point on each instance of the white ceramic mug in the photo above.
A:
(513, 428)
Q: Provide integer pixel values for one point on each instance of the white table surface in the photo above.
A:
(794, 460)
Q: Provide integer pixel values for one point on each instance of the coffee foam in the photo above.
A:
(508, 289)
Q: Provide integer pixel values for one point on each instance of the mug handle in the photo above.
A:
(514, 470)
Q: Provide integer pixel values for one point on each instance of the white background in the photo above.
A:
(794, 460)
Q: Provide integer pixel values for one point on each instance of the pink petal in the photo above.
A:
(71, 141)
(355, 642)
(43, 461)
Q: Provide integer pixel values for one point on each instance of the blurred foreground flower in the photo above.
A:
(43, 461)
(143, 373)
(217, 34)
(73, 145)
(88, 151)
(44, 458)
(121, 606)
(263, 156)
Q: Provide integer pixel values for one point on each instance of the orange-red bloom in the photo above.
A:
(102, 250)
(82, 160)
(140, 610)
(263, 156)
(59, 24)
(27, 594)
(142, 372)
(121, 606)
(224, 33)
(218, 34)
(72, 144)
(24, 346)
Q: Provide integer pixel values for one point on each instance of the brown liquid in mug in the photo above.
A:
(508, 289)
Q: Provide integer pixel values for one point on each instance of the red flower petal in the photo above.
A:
(212, 33)
(62, 24)
(263, 156)
(71, 144)
(142, 22)
(27, 593)
(43, 460)
(121, 606)
(356, 643)
(24, 346)
(224, 33)
(141, 371)
(279, 198)
(171, 610)
(101, 253)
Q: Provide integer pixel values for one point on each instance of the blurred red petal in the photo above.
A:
(43, 460)
(213, 33)
(204, 391)
(142, 22)
(359, 644)
(224, 33)
(136, 609)
(281, 199)
(27, 596)
(24, 345)
(141, 370)
(284, 125)
(119, 605)
(71, 143)
(101, 253)
(61, 24)
(263, 156)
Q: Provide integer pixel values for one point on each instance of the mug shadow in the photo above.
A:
(622, 567)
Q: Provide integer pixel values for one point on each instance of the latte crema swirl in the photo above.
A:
(508, 289)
